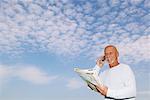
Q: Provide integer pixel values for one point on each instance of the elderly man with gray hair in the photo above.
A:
(118, 81)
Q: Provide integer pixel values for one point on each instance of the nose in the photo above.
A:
(106, 57)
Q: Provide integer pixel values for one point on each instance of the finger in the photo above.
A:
(97, 61)
(90, 87)
(101, 59)
(101, 92)
(99, 88)
(98, 58)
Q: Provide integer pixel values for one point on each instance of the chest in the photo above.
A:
(115, 79)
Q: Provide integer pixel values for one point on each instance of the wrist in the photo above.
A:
(100, 65)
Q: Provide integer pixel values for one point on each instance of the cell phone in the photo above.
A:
(103, 58)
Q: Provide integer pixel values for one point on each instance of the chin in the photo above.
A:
(111, 62)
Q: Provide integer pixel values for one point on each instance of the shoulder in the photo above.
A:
(105, 72)
(122, 64)
(126, 68)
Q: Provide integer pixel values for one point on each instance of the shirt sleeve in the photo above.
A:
(98, 77)
(97, 68)
(129, 89)
(101, 75)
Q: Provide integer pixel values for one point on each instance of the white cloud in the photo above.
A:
(114, 2)
(135, 2)
(87, 8)
(135, 27)
(28, 73)
(69, 29)
(138, 48)
(34, 75)
(74, 83)
(35, 9)
(5, 72)
(147, 3)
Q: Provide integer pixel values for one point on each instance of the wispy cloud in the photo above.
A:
(66, 28)
(28, 73)
(143, 95)
(143, 92)
(34, 75)
(5, 71)
(74, 83)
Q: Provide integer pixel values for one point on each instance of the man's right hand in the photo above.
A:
(100, 61)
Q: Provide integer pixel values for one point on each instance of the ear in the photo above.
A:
(117, 54)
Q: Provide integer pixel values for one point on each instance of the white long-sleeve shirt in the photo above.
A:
(120, 81)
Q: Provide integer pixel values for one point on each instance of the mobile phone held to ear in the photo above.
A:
(103, 58)
(100, 61)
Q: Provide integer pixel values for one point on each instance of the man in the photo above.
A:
(118, 81)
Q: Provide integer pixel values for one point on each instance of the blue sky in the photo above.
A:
(41, 41)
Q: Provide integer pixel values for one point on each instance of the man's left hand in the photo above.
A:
(102, 89)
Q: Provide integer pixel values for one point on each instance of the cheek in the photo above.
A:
(110, 58)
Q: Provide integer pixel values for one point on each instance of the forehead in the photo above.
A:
(110, 49)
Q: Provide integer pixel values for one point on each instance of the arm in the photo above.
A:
(99, 64)
(97, 68)
(129, 90)
(126, 92)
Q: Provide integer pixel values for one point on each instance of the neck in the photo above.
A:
(114, 64)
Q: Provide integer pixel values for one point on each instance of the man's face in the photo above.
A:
(111, 55)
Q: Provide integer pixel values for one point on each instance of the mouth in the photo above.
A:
(110, 61)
